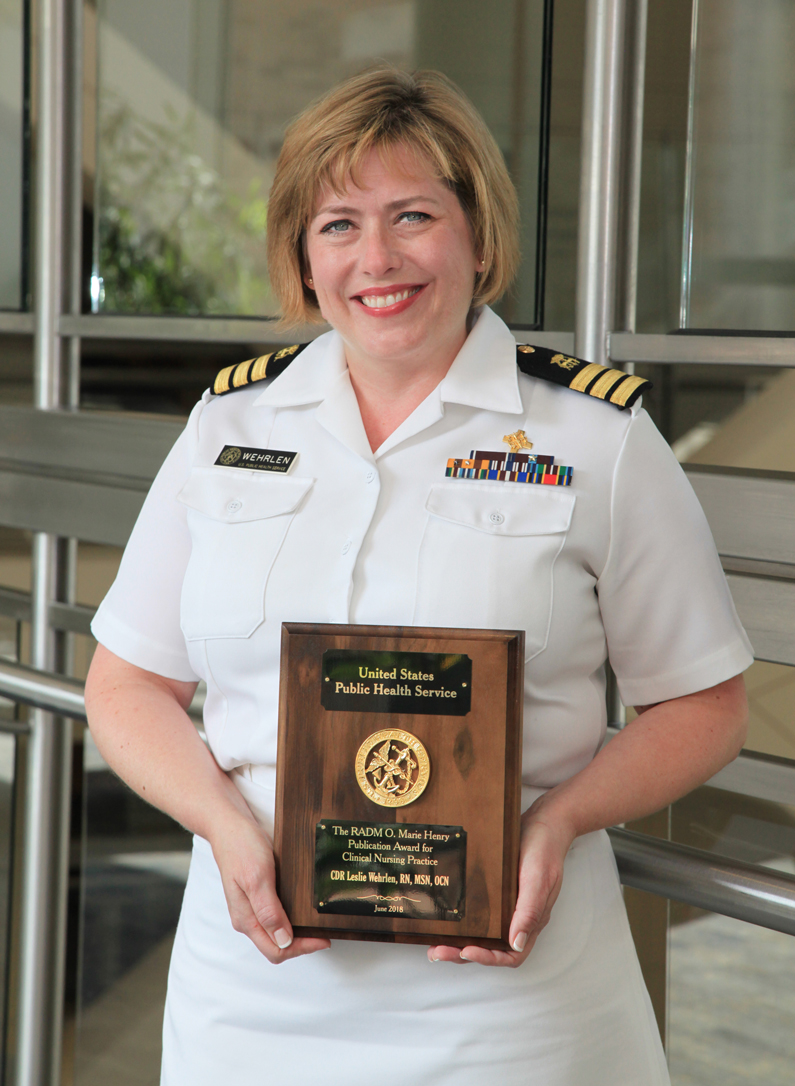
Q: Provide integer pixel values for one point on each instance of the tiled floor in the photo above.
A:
(731, 1005)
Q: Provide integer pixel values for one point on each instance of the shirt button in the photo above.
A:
(496, 518)
(370, 476)
(234, 505)
(346, 546)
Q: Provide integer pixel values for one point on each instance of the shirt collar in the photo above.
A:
(483, 375)
(484, 372)
(309, 379)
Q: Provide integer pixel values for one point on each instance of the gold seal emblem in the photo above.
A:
(230, 456)
(392, 767)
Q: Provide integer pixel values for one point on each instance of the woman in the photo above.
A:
(392, 216)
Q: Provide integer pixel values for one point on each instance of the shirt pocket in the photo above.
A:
(237, 521)
(487, 557)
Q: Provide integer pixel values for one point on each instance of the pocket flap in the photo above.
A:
(525, 509)
(237, 496)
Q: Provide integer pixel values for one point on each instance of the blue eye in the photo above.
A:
(415, 216)
(339, 226)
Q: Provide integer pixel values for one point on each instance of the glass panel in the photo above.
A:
(11, 151)
(193, 101)
(731, 1001)
(771, 702)
(7, 777)
(663, 174)
(731, 1005)
(734, 416)
(135, 867)
(741, 827)
(739, 253)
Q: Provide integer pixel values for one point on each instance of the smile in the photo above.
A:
(381, 301)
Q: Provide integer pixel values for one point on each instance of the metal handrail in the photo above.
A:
(42, 689)
(716, 883)
(54, 693)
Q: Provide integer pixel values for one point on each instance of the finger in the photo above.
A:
(538, 891)
(245, 921)
(266, 926)
(445, 954)
(268, 909)
(505, 958)
(297, 949)
(527, 924)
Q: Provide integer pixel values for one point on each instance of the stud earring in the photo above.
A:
(310, 282)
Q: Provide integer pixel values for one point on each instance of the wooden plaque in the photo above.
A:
(398, 782)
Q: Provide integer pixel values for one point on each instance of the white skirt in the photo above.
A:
(575, 1014)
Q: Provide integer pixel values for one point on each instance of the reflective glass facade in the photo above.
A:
(193, 99)
(739, 231)
(12, 130)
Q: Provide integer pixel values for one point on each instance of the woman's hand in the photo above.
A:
(245, 859)
(139, 722)
(542, 852)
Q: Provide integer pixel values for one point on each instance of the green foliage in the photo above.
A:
(172, 237)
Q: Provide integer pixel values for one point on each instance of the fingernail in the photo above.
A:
(463, 956)
(282, 938)
(520, 942)
(434, 959)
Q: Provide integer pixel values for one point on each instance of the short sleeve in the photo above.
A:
(139, 618)
(668, 615)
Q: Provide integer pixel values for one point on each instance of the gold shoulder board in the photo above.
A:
(243, 374)
(613, 386)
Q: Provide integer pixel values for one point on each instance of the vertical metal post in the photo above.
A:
(607, 267)
(73, 270)
(600, 187)
(45, 849)
(74, 188)
(690, 165)
(597, 248)
(631, 165)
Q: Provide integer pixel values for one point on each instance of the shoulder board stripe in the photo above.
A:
(613, 386)
(221, 382)
(605, 383)
(628, 392)
(248, 373)
(586, 377)
(240, 375)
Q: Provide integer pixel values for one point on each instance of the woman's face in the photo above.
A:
(392, 261)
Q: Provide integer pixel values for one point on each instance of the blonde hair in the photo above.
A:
(385, 108)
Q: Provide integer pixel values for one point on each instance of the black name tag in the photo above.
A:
(238, 456)
(390, 869)
(369, 681)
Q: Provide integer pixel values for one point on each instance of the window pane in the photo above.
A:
(7, 778)
(193, 100)
(731, 1001)
(11, 148)
(741, 168)
(133, 877)
(731, 1004)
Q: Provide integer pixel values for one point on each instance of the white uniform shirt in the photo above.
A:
(620, 561)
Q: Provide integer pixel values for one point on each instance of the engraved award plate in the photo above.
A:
(398, 782)
(381, 869)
